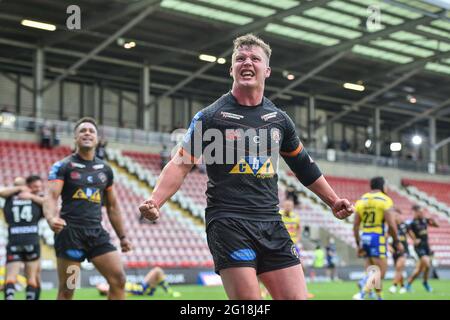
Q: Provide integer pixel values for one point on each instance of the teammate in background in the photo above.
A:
(23, 210)
(331, 260)
(319, 261)
(85, 182)
(153, 279)
(245, 233)
(418, 231)
(291, 221)
(398, 256)
(373, 210)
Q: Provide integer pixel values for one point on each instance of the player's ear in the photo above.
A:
(268, 72)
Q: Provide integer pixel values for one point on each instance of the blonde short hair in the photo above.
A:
(251, 40)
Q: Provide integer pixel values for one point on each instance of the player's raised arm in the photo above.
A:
(50, 206)
(432, 222)
(169, 182)
(9, 191)
(308, 173)
(115, 217)
(33, 197)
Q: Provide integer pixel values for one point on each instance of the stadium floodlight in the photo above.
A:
(38, 25)
(129, 45)
(221, 61)
(368, 143)
(416, 140)
(396, 146)
(354, 86)
(207, 58)
(411, 98)
(288, 75)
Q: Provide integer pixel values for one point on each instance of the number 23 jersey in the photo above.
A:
(371, 208)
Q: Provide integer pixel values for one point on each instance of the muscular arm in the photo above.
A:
(324, 191)
(342, 208)
(171, 178)
(8, 192)
(433, 223)
(356, 224)
(50, 205)
(390, 220)
(113, 210)
(35, 198)
(412, 236)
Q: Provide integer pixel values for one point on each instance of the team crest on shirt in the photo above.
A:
(74, 175)
(89, 194)
(102, 177)
(233, 135)
(261, 167)
(294, 251)
(276, 135)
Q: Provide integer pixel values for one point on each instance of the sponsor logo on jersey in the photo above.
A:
(276, 135)
(98, 166)
(102, 177)
(231, 115)
(260, 167)
(23, 230)
(268, 116)
(89, 194)
(21, 202)
(233, 135)
(74, 175)
(243, 255)
(77, 165)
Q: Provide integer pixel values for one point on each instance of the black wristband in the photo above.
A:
(122, 237)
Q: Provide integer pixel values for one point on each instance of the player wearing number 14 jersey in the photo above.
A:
(23, 210)
(374, 209)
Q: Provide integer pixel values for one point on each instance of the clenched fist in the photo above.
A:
(342, 208)
(149, 210)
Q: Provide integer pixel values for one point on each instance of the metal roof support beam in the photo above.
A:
(377, 131)
(432, 139)
(103, 45)
(250, 27)
(442, 143)
(355, 106)
(347, 45)
(423, 115)
(97, 20)
(38, 77)
(254, 26)
(418, 10)
(14, 79)
(307, 76)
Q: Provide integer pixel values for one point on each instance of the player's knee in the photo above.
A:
(118, 280)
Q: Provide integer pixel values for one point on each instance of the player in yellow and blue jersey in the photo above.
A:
(374, 211)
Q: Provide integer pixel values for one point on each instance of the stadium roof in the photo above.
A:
(322, 43)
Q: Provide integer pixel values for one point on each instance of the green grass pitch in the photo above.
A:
(322, 291)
